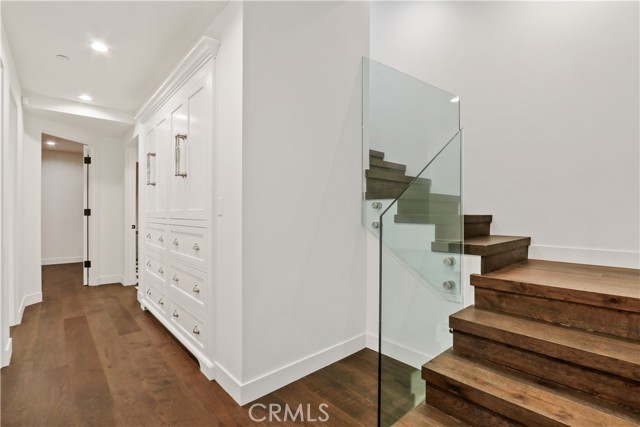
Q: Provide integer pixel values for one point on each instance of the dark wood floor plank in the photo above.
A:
(89, 356)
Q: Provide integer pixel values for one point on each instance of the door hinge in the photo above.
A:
(87, 212)
(87, 264)
(87, 160)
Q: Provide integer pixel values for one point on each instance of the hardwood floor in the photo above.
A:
(88, 356)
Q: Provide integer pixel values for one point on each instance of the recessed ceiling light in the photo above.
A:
(99, 46)
(455, 99)
(51, 143)
(85, 97)
(62, 57)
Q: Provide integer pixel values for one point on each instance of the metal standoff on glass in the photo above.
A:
(375, 225)
(176, 278)
(196, 330)
(376, 205)
(196, 247)
(448, 261)
(161, 270)
(196, 289)
(175, 313)
(161, 302)
(179, 137)
(149, 156)
(175, 242)
(449, 284)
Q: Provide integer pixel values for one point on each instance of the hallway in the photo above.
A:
(90, 356)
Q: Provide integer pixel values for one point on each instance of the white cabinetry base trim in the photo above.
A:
(7, 351)
(26, 301)
(258, 387)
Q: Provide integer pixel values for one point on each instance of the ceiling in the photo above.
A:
(147, 39)
(61, 144)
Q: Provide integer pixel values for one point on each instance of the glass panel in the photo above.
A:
(420, 279)
(405, 122)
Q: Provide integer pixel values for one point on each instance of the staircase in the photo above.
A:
(546, 343)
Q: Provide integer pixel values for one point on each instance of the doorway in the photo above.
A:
(131, 213)
(66, 204)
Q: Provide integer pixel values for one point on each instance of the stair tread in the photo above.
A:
(493, 244)
(588, 284)
(520, 394)
(425, 415)
(392, 194)
(614, 355)
(441, 218)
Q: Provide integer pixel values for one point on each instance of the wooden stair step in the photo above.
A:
(494, 244)
(388, 175)
(610, 287)
(441, 219)
(520, 397)
(376, 153)
(378, 162)
(410, 206)
(425, 415)
(411, 194)
(609, 354)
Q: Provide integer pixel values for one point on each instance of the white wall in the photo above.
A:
(107, 195)
(62, 208)
(304, 264)
(550, 110)
(228, 29)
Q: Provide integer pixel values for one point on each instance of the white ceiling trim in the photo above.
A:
(32, 101)
(204, 50)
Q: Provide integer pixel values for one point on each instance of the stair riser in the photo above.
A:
(496, 262)
(406, 206)
(389, 175)
(611, 387)
(591, 318)
(376, 154)
(477, 229)
(382, 169)
(464, 410)
(478, 397)
(374, 185)
(448, 232)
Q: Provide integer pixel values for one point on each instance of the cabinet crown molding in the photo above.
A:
(205, 49)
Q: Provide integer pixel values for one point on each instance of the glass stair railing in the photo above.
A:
(416, 212)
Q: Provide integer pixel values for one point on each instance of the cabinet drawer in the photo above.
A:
(189, 245)
(190, 284)
(188, 323)
(155, 236)
(155, 297)
(155, 267)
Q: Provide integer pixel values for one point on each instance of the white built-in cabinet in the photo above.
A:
(177, 193)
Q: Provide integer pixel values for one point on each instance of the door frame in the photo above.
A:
(131, 158)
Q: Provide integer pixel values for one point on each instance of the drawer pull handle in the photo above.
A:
(196, 330)
(160, 239)
(161, 302)
(175, 242)
(196, 289)
(161, 270)
(148, 291)
(148, 235)
(175, 313)
(148, 263)
(196, 247)
(176, 278)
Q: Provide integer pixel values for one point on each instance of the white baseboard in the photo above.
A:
(405, 354)
(125, 282)
(106, 280)
(607, 257)
(372, 341)
(63, 260)
(249, 391)
(7, 351)
(27, 300)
